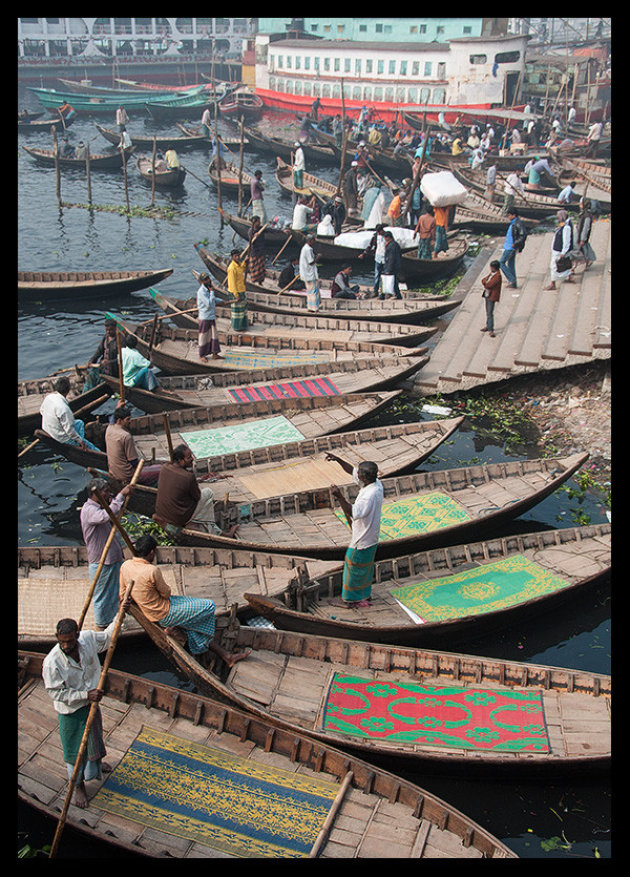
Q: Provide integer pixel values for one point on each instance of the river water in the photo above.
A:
(567, 817)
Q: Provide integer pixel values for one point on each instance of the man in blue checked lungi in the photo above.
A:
(188, 619)
(364, 517)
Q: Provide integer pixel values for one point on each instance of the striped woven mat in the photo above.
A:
(288, 390)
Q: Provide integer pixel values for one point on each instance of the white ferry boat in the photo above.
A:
(463, 73)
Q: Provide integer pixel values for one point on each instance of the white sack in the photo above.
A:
(442, 189)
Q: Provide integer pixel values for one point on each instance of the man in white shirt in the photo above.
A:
(301, 214)
(71, 672)
(59, 421)
(308, 267)
(511, 188)
(364, 517)
(299, 166)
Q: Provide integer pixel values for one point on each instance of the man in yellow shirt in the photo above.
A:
(236, 288)
(171, 158)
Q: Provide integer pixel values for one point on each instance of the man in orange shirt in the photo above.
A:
(441, 225)
(184, 618)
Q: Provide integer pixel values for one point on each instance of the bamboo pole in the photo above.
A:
(121, 383)
(90, 721)
(240, 168)
(218, 143)
(87, 173)
(57, 168)
(106, 548)
(332, 813)
(169, 439)
(153, 171)
(124, 164)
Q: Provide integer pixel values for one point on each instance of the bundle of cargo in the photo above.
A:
(442, 189)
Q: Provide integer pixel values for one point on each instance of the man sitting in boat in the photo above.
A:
(59, 421)
(136, 368)
(181, 502)
(340, 286)
(172, 159)
(190, 619)
(289, 278)
(302, 213)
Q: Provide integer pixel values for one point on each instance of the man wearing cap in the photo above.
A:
(298, 166)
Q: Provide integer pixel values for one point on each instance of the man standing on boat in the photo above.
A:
(257, 187)
(299, 166)
(122, 118)
(364, 517)
(308, 272)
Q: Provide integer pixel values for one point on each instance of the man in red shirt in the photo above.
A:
(492, 293)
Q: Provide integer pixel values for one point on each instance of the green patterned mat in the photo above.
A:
(242, 437)
(488, 588)
(421, 514)
(236, 805)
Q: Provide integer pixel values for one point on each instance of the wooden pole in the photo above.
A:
(115, 521)
(124, 164)
(344, 138)
(106, 548)
(87, 173)
(88, 725)
(121, 383)
(240, 168)
(281, 250)
(216, 140)
(153, 171)
(167, 430)
(332, 813)
(57, 168)
(416, 178)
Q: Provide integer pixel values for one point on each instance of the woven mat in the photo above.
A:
(242, 437)
(232, 804)
(488, 588)
(409, 714)
(420, 514)
(236, 357)
(287, 390)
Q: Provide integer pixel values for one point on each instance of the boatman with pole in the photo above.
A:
(364, 517)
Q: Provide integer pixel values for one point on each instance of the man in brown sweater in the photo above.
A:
(181, 502)
(492, 293)
(122, 456)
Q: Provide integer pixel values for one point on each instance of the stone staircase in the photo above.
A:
(536, 329)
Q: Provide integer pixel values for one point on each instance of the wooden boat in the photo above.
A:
(279, 148)
(164, 178)
(415, 307)
(482, 216)
(144, 142)
(383, 160)
(277, 236)
(42, 285)
(312, 185)
(103, 161)
(422, 510)
(54, 582)
(242, 103)
(33, 123)
(31, 395)
(104, 102)
(413, 269)
(533, 204)
(407, 706)
(230, 177)
(87, 284)
(280, 325)
(220, 429)
(196, 133)
(555, 565)
(189, 107)
(596, 174)
(176, 351)
(354, 804)
(357, 375)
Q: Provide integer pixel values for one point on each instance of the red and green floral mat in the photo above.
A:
(410, 713)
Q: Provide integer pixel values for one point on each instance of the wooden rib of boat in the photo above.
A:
(413, 269)
(312, 185)
(85, 284)
(103, 161)
(486, 217)
(54, 583)
(241, 103)
(291, 679)
(145, 142)
(167, 178)
(300, 419)
(230, 177)
(357, 375)
(422, 510)
(415, 307)
(281, 325)
(31, 395)
(533, 204)
(279, 148)
(176, 351)
(365, 800)
(557, 566)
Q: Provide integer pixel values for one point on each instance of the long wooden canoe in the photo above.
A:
(414, 707)
(415, 307)
(358, 375)
(459, 589)
(103, 161)
(312, 185)
(176, 351)
(413, 269)
(167, 178)
(230, 177)
(54, 583)
(241, 103)
(162, 141)
(280, 325)
(85, 284)
(276, 147)
(364, 811)
(31, 394)
(420, 511)
(215, 428)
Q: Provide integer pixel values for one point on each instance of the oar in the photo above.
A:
(107, 546)
(281, 250)
(167, 430)
(188, 171)
(90, 721)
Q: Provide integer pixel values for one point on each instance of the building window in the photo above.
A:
(392, 68)
(307, 88)
(389, 94)
(424, 95)
(413, 28)
(341, 28)
(378, 28)
(317, 62)
(378, 93)
(467, 30)
(423, 28)
(356, 92)
(387, 28)
(478, 59)
(415, 68)
(439, 29)
(326, 63)
(507, 57)
(298, 86)
(289, 60)
(412, 95)
(403, 68)
(441, 71)
(357, 65)
(314, 27)
(337, 65)
(428, 66)
(400, 95)
(380, 66)
(326, 89)
(307, 63)
(367, 93)
(326, 28)
(298, 62)
(368, 66)
(280, 61)
(439, 95)
(363, 28)
(346, 65)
